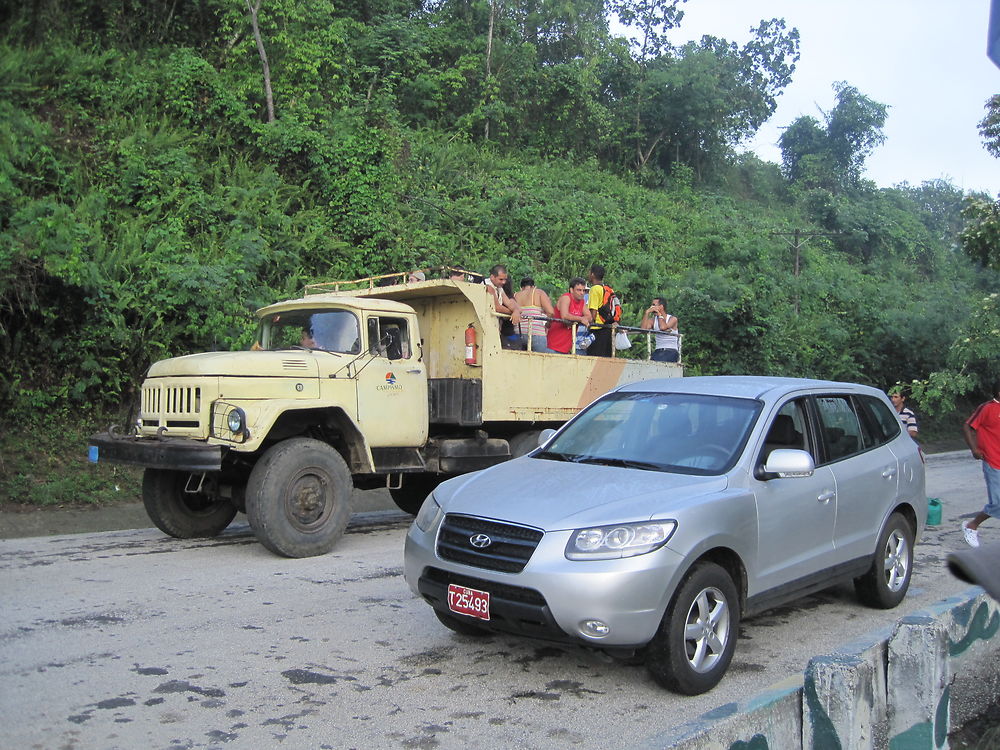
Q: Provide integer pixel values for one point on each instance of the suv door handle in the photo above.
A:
(827, 496)
(889, 473)
(415, 372)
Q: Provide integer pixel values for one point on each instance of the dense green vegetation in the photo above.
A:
(163, 174)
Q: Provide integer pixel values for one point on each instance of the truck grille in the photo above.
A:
(173, 407)
(509, 549)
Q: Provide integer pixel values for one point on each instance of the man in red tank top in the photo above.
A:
(572, 309)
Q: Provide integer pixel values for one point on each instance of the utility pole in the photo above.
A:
(799, 237)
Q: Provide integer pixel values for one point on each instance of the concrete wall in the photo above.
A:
(902, 689)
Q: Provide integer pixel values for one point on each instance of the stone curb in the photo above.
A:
(901, 687)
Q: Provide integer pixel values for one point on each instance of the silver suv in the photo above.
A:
(668, 509)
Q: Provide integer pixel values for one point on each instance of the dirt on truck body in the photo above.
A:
(351, 385)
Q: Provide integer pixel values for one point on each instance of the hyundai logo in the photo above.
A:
(480, 541)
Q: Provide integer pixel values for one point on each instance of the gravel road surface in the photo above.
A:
(129, 639)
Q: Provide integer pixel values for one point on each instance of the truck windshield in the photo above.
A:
(327, 330)
(675, 432)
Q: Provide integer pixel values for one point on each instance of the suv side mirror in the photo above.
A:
(544, 435)
(787, 462)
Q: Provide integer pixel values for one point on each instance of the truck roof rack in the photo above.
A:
(435, 273)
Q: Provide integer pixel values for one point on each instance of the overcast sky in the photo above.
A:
(926, 59)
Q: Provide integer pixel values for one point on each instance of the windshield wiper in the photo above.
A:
(310, 349)
(626, 463)
(555, 456)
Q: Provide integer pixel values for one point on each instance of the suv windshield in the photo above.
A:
(677, 432)
(329, 330)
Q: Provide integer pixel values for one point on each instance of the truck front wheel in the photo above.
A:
(179, 513)
(413, 490)
(299, 498)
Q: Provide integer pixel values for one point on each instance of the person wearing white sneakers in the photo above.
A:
(982, 434)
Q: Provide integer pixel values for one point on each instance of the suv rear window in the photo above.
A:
(880, 421)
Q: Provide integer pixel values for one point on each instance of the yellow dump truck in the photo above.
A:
(351, 385)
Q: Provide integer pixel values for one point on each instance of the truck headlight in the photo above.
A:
(620, 540)
(236, 420)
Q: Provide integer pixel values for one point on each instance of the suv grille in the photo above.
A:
(509, 549)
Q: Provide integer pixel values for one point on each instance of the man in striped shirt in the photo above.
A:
(906, 416)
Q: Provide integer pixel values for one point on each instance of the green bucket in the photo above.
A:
(933, 511)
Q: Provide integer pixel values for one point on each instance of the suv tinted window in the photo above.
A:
(839, 427)
(881, 422)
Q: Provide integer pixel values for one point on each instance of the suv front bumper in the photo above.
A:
(179, 454)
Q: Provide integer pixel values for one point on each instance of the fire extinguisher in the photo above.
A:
(470, 345)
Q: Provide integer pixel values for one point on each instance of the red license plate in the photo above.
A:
(469, 602)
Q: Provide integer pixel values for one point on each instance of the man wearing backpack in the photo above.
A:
(605, 309)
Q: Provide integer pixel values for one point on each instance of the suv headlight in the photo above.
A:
(620, 540)
(427, 514)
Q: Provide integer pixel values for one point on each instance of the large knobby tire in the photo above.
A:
(695, 643)
(413, 490)
(181, 514)
(299, 498)
(887, 581)
(462, 625)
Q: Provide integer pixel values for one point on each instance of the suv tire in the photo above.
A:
(299, 498)
(692, 649)
(887, 581)
(180, 514)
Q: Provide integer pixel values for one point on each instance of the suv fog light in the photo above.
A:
(595, 628)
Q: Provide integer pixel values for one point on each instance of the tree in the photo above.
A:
(804, 152)
(696, 104)
(652, 19)
(854, 129)
(981, 236)
(989, 128)
(254, 9)
(834, 156)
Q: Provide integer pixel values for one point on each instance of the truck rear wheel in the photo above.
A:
(182, 514)
(299, 498)
(410, 495)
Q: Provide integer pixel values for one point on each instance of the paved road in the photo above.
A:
(128, 639)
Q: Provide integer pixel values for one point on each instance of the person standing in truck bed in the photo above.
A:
(666, 341)
(601, 346)
(504, 303)
(535, 306)
(569, 309)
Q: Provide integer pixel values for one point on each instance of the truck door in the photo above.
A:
(392, 388)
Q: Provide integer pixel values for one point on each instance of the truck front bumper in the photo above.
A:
(179, 454)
